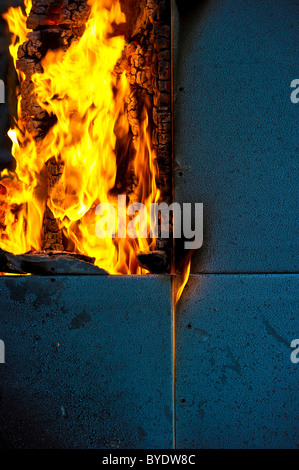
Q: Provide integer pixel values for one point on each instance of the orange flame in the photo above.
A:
(80, 88)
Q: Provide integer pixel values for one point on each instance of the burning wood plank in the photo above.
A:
(48, 263)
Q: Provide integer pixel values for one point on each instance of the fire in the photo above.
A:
(80, 88)
(17, 26)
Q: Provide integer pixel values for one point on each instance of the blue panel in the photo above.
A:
(88, 362)
(235, 130)
(236, 384)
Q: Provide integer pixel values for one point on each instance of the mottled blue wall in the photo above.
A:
(88, 362)
(236, 144)
(236, 129)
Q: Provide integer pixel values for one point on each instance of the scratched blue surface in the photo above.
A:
(109, 382)
(236, 384)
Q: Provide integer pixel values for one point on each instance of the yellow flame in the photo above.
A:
(17, 26)
(186, 274)
(80, 88)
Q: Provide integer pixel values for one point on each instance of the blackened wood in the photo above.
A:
(52, 238)
(157, 262)
(73, 13)
(48, 264)
(147, 60)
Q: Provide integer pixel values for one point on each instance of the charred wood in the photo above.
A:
(157, 262)
(52, 238)
(48, 264)
(74, 13)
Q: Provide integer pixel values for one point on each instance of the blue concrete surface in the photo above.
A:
(235, 134)
(108, 384)
(236, 384)
(236, 149)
